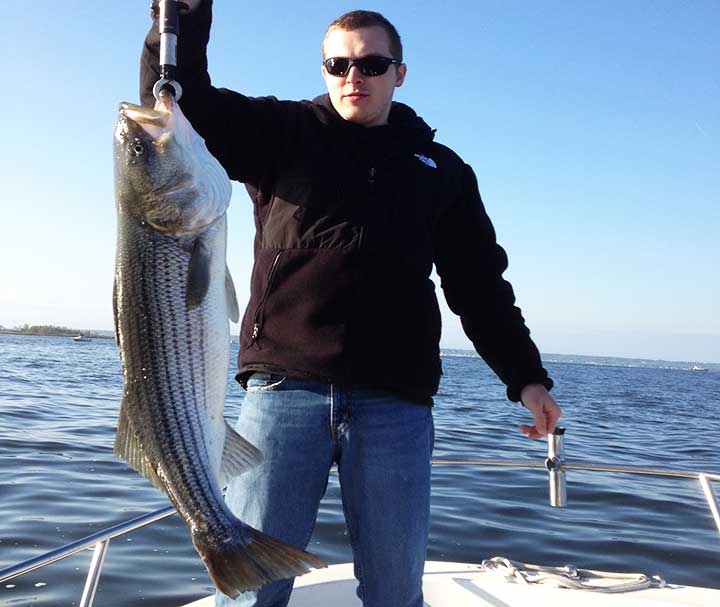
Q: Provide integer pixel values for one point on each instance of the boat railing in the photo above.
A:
(555, 465)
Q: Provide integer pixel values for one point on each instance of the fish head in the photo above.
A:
(164, 174)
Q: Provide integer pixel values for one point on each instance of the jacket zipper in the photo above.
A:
(371, 183)
(258, 319)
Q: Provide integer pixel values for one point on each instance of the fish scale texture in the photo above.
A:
(167, 352)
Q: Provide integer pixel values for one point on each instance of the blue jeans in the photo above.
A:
(382, 446)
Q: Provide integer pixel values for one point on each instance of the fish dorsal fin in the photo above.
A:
(238, 456)
(198, 279)
(129, 448)
(231, 297)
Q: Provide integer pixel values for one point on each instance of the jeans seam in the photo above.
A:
(332, 412)
(353, 543)
(306, 541)
(355, 550)
(327, 477)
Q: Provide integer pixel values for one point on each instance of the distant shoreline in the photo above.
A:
(605, 361)
(549, 357)
(69, 335)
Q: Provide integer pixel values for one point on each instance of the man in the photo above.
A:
(339, 345)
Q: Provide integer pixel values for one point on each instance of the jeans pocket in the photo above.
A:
(264, 382)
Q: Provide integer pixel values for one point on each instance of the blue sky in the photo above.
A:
(592, 128)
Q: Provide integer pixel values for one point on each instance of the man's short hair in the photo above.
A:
(355, 20)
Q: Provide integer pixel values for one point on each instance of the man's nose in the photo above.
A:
(354, 75)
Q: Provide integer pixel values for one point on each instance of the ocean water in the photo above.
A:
(59, 480)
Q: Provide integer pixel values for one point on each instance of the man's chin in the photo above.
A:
(353, 114)
(358, 116)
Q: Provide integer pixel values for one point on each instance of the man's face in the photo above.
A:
(362, 99)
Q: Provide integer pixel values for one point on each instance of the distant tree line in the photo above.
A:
(27, 329)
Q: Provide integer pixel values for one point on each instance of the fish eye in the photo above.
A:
(137, 148)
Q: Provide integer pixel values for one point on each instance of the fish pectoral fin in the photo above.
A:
(128, 447)
(231, 297)
(238, 456)
(198, 279)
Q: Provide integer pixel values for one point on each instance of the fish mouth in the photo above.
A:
(154, 121)
(144, 115)
(157, 116)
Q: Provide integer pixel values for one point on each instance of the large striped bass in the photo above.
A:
(172, 300)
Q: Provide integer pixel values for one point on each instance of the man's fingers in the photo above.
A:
(540, 423)
(530, 431)
(544, 423)
(553, 416)
(544, 409)
(553, 423)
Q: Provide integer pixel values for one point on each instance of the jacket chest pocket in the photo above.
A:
(310, 214)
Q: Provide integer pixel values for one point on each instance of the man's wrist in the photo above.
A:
(528, 389)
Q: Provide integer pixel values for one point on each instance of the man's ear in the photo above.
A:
(401, 73)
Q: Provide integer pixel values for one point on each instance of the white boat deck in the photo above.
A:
(465, 585)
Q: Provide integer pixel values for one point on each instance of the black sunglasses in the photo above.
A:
(372, 65)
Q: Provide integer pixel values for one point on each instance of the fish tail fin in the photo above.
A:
(253, 560)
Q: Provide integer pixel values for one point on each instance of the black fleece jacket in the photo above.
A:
(349, 222)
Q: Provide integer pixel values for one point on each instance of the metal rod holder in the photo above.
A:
(554, 464)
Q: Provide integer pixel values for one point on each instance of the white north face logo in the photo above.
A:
(425, 160)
